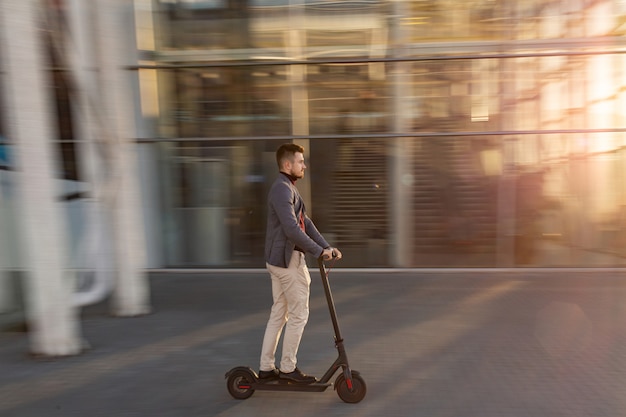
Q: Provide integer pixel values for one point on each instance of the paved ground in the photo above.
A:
(428, 344)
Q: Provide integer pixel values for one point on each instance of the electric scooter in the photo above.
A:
(242, 381)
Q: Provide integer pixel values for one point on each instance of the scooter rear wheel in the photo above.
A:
(359, 388)
(239, 384)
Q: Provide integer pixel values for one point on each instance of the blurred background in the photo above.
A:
(474, 134)
(438, 133)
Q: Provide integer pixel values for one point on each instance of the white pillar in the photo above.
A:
(94, 251)
(117, 51)
(52, 320)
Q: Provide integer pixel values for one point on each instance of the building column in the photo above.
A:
(94, 252)
(402, 178)
(52, 320)
(117, 51)
(295, 40)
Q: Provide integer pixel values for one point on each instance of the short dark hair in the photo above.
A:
(287, 151)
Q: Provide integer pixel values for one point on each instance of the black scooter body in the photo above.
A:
(242, 381)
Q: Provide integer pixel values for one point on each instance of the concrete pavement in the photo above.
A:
(434, 344)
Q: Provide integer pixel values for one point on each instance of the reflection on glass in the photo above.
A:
(562, 208)
(368, 27)
(509, 156)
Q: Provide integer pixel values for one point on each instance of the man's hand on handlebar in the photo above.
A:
(331, 253)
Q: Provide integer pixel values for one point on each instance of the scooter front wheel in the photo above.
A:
(239, 384)
(354, 395)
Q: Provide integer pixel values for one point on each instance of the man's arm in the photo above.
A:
(329, 252)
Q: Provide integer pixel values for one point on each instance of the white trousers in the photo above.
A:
(290, 290)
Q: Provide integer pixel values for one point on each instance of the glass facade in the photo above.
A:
(437, 133)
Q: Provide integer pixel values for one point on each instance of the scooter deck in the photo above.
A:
(282, 385)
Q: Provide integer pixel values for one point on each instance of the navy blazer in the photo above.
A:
(284, 205)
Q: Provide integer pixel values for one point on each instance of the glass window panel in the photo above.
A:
(218, 24)
(222, 102)
(344, 99)
(569, 204)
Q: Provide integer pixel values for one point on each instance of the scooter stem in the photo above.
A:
(329, 299)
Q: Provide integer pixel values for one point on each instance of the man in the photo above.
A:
(290, 234)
